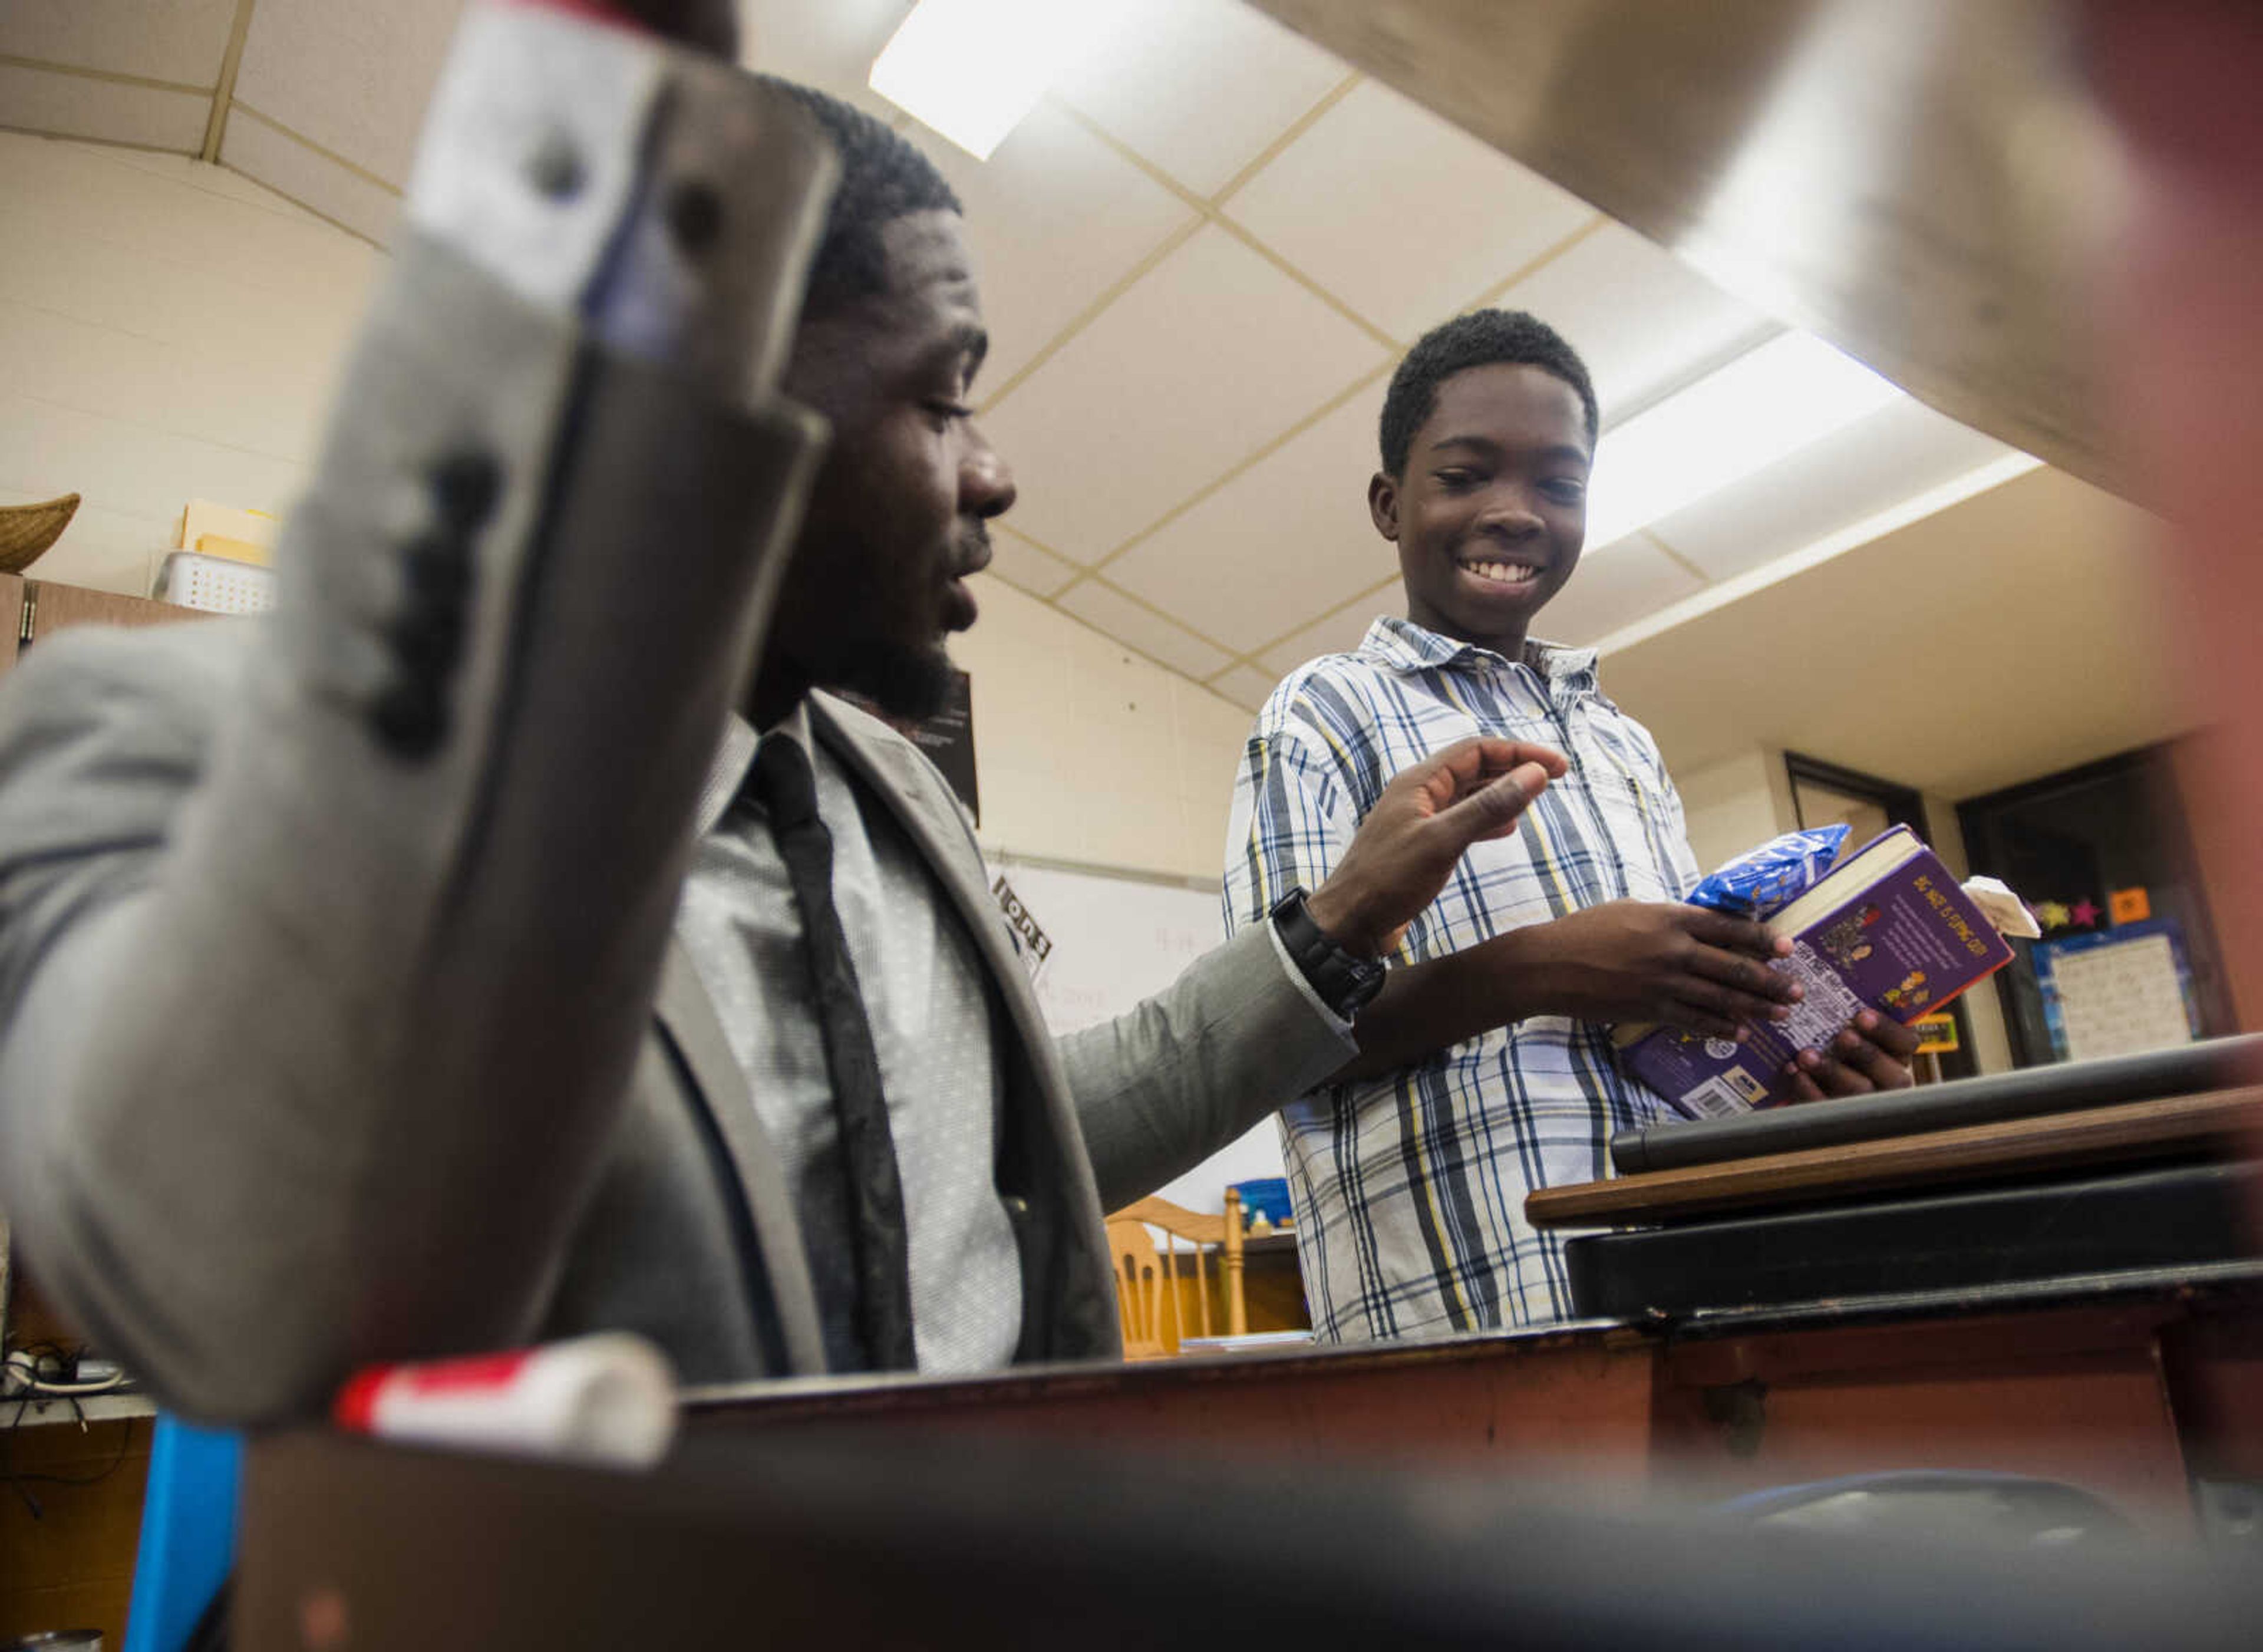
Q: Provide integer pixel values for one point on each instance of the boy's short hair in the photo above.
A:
(883, 178)
(1482, 338)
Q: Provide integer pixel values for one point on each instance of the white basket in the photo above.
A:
(215, 584)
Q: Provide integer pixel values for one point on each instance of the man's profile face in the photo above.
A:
(1493, 509)
(896, 519)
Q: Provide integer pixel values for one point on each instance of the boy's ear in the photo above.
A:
(1383, 503)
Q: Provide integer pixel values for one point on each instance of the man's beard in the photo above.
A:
(907, 682)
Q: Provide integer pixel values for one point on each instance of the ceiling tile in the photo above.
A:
(314, 181)
(1286, 540)
(181, 40)
(1200, 87)
(72, 105)
(351, 76)
(1336, 633)
(1246, 686)
(1159, 639)
(1400, 215)
(1055, 217)
(1032, 568)
(1644, 321)
(1903, 449)
(1612, 587)
(1200, 363)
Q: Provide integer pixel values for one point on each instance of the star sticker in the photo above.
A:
(2084, 914)
(2052, 914)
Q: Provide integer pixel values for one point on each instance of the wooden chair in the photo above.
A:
(1147, 1276)
(1140, 1292)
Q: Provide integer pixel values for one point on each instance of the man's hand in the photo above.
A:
(1635, 960)
(1418, 831)
(1871, 1054)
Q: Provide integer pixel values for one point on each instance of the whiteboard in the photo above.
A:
(1115, 941)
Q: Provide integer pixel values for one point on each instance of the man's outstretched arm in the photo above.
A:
(326, 950)
(1240, 1032)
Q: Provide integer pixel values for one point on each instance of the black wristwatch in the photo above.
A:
(1344, 981)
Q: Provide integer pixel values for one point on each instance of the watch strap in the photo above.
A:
(1342, 981)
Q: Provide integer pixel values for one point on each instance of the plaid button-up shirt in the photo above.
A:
(1409, 1189)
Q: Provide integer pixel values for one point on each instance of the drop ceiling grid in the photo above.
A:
(1205, 361)
(1253, 657)
(345, 181)
(103, 77)
(350, 78)
(45, 102)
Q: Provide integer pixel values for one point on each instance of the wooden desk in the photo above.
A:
(900, 1538)
(1272, 1288)
(2217, 1122)
(2129, 1387)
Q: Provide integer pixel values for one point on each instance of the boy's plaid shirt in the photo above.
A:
(1409, 1189)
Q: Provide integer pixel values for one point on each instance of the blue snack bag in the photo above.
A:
(1759, 881)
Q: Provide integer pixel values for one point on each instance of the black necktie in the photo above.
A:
(788, 792)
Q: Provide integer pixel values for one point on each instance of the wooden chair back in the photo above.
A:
(1221, 1235)
(1142, 1300)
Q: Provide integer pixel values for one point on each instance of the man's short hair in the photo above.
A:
(1482, 338)
(883, 178)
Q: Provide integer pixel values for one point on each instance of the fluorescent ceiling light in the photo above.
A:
(1763, 407)
(972, 68)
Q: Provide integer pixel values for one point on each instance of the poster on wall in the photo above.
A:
(2116, 992)
(947, 738)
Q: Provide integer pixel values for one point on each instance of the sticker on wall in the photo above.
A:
(2129, 906)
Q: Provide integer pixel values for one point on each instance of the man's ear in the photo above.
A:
(1383, 503)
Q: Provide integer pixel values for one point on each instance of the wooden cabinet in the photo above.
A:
(47, 607)
(31, 609)
(12, 602)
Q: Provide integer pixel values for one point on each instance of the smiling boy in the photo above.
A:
(1486, 1068)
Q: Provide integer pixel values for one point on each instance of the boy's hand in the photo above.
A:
(1417, 832)
(1872, 1053)
(1639, 960)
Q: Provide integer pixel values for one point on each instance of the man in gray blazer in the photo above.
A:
(482, 947)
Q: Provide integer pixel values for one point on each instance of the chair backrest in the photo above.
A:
(1140, 1290)
(1222, 1233)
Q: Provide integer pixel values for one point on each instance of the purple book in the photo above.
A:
(1887, 927)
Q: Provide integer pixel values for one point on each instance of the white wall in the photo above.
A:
(169, 331)
(1087, 753)
(1735, 804)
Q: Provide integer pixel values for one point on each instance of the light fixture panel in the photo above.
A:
(1760, 409)
(972, 70)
